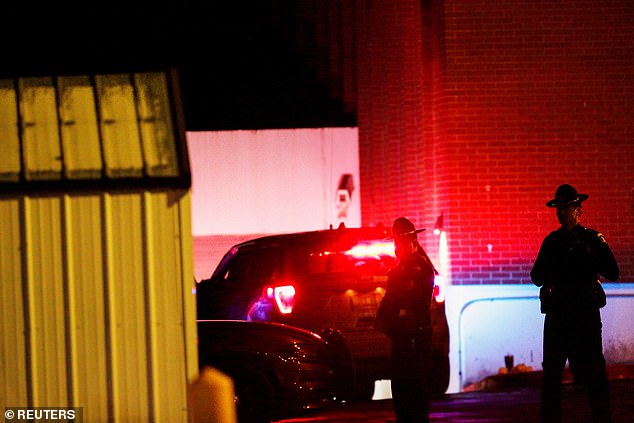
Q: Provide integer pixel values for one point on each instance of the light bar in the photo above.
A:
(374, 250)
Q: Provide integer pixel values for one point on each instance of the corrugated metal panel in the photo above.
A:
(80, 132)
(119, 126)
(189, 301)
(109, 318)
(10, 145)
(127, 307)
(157, 134)
(162, 240)
(87, 319)
(40, 129)
(46, 318)
(13, 370)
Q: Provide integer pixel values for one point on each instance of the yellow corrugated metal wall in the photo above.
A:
(96, 270)
(98, 310)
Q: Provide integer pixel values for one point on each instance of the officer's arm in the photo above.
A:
(606, 263)
(384, 314)
(540, 271)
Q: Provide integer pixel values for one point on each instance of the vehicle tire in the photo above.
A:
(343, 364)
(255, 397)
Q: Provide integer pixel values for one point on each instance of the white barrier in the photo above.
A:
(487, 322)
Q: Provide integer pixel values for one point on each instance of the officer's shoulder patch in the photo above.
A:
(601, 238)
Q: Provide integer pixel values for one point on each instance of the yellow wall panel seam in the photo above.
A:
(27, 264)
(69, 260)
(190, 339)
(177, 324)
(182, 269)
(190, 347)
(66, 253)
(148, 279)
(107, 247)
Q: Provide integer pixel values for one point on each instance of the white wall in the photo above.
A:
(489, 321)
(271, 181)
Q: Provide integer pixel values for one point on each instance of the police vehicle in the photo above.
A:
(321, 280)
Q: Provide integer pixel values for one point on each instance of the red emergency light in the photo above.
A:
(373, 250)
(284, 297)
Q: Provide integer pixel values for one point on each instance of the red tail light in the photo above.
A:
(284, 297)
(439, 288)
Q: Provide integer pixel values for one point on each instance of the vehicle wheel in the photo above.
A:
(255, 397)
(343, 364)
(439, 376)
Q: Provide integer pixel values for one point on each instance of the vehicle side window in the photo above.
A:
(250, 267)
(235, 270)
(266, 266)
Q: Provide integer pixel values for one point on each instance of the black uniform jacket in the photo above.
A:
(568, 267)
(404, 309)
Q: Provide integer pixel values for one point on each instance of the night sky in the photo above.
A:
(235, 70)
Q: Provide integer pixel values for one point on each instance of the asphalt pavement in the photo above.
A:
(512, 401)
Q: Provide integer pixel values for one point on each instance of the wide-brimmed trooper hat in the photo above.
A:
(403, 228)
(566, 195)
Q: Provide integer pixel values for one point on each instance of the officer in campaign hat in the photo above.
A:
(404, 316)
(568, 268)
(566, 195)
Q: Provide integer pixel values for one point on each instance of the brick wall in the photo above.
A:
(479, 109)
(390, 115)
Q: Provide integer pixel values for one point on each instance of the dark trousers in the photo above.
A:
(574, 336)
(410, 369)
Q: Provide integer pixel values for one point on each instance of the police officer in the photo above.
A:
(404, 316)
(567, 269)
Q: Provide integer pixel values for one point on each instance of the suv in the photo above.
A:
(321, 280)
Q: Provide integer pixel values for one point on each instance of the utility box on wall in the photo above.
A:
(96, 247)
